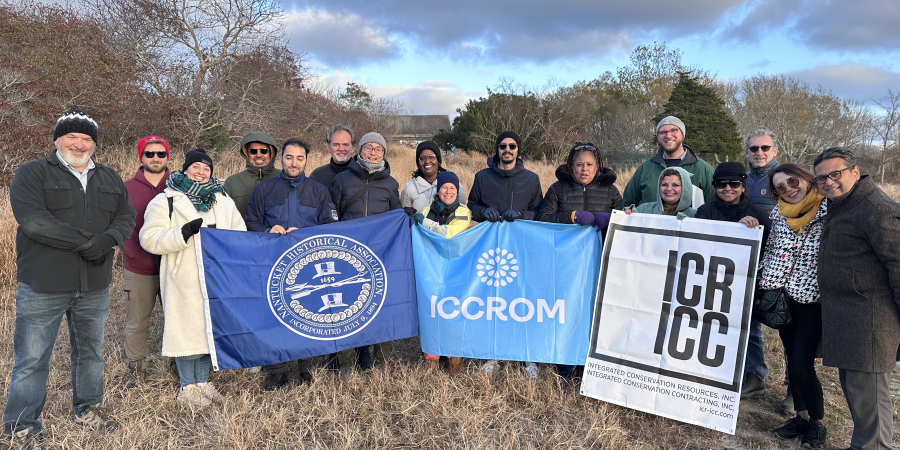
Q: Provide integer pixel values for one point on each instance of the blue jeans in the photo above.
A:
(38, 316)
(193, 371)
(756, 358)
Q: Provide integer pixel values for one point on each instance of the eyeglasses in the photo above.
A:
(427, 158)
(836, 175)
(756, 148)
(722, 184)
(261, 151)
(662, 133)
(791, 182)
(503, 146)
(373, 148)
(151, 155)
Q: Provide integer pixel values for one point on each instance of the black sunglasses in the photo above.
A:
(160, 155)
(511, 146)
(721, 184)
(261, 151)
(757, 148)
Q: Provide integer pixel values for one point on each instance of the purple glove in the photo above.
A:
(584, 218)
(601, 220)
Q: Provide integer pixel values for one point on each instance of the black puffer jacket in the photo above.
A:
(382, 196)
(567, 195)
(727, 212)
(325, 174)
(518, 189)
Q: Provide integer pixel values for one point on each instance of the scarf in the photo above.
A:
(370, 167)
(441, 212)
(801, 214)
(202, 195)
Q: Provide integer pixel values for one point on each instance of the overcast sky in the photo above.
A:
(433, 56)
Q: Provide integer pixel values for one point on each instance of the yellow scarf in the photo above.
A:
(800, 214)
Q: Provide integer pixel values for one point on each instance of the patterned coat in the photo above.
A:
(781, 250)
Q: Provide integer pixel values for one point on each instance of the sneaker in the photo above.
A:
(753, 386)
(793, 428)
(210, 392)
(256, 369)
(787, 405)
(491, 366)
(192, 396)
(531, 371)
(814, 436)
(25, 439)
(276, 380)
(94, 418)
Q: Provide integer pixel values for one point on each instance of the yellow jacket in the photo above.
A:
(461, 222)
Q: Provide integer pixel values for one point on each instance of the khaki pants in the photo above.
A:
(381, 353)
(141, 292)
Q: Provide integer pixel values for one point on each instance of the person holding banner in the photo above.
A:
(731, 203)
(673, 199)
(448, 217)
(193, 199)
(789, 263)
(365, 189)
(421, 190)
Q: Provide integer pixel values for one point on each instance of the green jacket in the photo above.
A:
(643, 186)
(684, 203)
(240, 185)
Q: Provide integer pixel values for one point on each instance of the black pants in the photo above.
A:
(801, 340)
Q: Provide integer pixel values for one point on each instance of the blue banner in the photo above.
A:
(521, 291)
(314, 291)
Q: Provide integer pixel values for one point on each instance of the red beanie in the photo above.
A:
(151, 139)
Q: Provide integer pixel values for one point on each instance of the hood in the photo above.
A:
(687, 190)
(494, 163)
(604, 177)
(265, 138)
(689, 157)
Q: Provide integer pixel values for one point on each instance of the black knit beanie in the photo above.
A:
(508, 134)
(75, 121)
(197, 155)
(428, 145)
(731, 171)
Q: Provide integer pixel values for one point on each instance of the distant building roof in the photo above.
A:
(424, 126)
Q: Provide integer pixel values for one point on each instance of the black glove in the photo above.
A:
(99, 261)
(491, 214)
(96, 247)
(511, 215)
(191, 228)
(409, 210)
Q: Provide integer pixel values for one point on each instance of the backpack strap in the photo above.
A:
(353, 199)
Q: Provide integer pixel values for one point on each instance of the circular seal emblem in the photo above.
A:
(327, 287)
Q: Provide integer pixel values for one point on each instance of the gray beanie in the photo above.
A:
(373, 137)
(672, 120)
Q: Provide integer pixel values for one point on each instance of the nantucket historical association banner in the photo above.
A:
(273, 298)
(519, 291)
(670, 329)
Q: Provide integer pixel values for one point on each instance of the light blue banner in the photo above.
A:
(518, 291)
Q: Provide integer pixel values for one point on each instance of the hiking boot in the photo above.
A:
(210, 392)
(455, 364)
(94, 418)
(753, 386)
(491, 367)
(531, 371)
(432, 364)
(25, 439)
(192, 396)
(135, 374)
(276, 380)
(814, 436)
(787, 405)
(345, 373)
(305, 375)
(793, 428)
(364, 358)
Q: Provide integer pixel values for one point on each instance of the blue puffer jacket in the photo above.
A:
(758, 186)
(309, 205)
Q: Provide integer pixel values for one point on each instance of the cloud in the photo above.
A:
(339, 39)
(530, 30)
(426, 99)
(860, 25)
(847, 80)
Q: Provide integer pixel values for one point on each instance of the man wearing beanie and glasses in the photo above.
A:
(140, 274)
(506, 191)
(259, 149)
(71, 213)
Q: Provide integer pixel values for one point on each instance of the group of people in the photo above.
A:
(830, 239)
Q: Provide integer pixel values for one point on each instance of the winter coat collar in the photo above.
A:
(291, 181)
(733, 212)
(360, 172)
(494, 163)
(422, 185)
(605, 176)
(863, 187)
(689, 156)
(764, 170)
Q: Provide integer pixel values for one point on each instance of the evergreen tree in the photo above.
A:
(711, 131)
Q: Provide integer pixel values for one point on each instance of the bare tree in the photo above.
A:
(886, 127)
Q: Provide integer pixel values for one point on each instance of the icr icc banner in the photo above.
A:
(671, 322)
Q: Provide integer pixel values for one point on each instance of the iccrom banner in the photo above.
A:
(670, 327)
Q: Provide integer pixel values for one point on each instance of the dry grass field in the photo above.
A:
(406, 406)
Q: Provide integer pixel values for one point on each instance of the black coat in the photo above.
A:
(517, 188)
(727, 212)
(859, 280)
(382, 196)
(52, 210)
(567, 195)
(325, 174)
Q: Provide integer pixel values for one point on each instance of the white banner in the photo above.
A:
(671, 323)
